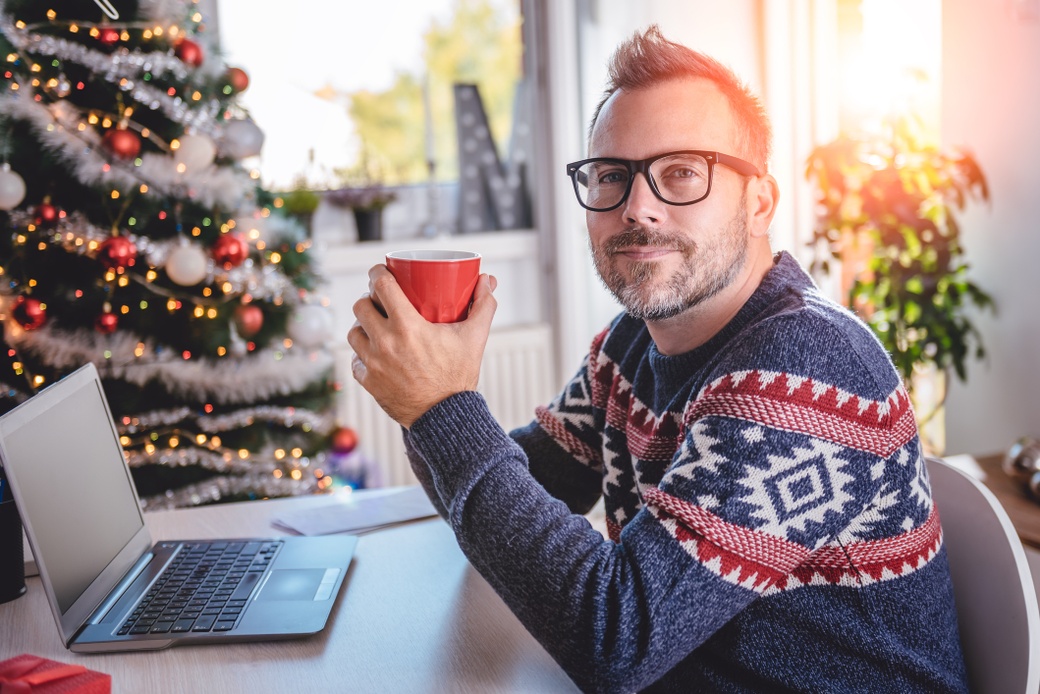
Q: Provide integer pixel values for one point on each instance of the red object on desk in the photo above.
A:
(30, 673)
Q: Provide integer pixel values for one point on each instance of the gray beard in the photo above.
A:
(704, 272)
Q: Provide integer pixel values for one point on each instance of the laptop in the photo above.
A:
(110, 587)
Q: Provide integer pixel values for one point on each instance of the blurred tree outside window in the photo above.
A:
(366, 95)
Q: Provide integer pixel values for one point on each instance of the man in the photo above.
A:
(771, 526)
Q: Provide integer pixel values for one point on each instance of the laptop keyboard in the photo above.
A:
(204, 588)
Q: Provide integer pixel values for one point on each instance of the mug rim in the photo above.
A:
(446, 255)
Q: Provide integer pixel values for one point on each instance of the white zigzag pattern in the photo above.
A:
(856, 580)
(697, 451)
(715, 564)
(819, 389)
(765, 589)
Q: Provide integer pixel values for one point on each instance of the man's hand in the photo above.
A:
(408, 364)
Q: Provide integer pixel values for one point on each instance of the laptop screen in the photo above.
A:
(76, 489)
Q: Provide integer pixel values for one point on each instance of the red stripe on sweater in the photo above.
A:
(808, 407)
(741, 555)
(568, 441)
(768, 564)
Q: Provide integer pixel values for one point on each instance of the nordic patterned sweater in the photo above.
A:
(771, 522)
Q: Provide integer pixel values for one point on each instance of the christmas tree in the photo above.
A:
(133, 236)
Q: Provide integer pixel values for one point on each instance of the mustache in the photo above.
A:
(640, 236)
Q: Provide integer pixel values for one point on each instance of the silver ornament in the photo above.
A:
(1022, 460)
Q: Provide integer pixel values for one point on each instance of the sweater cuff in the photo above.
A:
(460, 441)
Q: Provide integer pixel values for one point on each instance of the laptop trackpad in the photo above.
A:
(292, 584)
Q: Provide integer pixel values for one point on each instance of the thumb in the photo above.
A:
(484, 302)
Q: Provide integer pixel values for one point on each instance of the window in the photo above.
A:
(368, 96)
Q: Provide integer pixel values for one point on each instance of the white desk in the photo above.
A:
(413, 617)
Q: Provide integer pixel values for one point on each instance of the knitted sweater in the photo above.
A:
(770, 518)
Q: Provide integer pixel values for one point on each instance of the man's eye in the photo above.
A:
(683, 172)
(612, 177)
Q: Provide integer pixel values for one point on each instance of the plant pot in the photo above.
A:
(369, 224)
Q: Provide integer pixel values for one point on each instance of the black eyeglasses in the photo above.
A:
(677, 178)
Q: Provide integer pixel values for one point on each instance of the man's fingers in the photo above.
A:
(387, 294)
(357, 338)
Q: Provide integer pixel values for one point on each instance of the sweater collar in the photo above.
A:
(785, 277)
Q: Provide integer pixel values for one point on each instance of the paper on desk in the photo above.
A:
(968, 464)
(357, 513)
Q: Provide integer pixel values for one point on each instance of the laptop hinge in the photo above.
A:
(118, 591)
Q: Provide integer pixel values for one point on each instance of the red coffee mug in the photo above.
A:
(439, 283)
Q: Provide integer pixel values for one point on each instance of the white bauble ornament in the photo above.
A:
(186, 265)
(12, 188)
(310, 326)
(196, 152)
(241, 139)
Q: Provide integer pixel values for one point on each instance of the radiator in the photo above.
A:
(515, 377)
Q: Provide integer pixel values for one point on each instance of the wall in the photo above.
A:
(991, 104)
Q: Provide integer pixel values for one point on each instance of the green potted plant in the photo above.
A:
(301, 202)
(886, 209)
(367, 203)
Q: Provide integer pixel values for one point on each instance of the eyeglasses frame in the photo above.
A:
(642, 166)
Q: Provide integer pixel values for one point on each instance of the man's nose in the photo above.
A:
(642, 205)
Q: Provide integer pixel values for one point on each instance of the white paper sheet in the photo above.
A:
(358, 513)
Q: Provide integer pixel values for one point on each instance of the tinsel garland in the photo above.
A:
(75, 234)
(124, 68)
(259, 376)
(224, 462)
(57, 127)
(217, 488)
(110, 66)
(166, 12)
(215, 424)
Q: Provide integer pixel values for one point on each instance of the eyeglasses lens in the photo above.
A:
(679, 178)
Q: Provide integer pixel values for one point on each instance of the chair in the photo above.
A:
(992, 585)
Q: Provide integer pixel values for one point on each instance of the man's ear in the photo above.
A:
(763, 195)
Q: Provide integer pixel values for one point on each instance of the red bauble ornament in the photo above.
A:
(230, 250)
(238, 79)
(46, 214)
(248, 319)
(106, 323)
(30, 313)
(108, 35)
(117, 252)
(344, 440)
(189, 51)
(123, 143)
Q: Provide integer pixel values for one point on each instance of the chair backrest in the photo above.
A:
(992, 585)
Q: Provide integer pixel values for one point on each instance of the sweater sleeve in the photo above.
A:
(561, 445)
(615, 616)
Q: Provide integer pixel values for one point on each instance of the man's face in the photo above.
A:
(659, 259)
